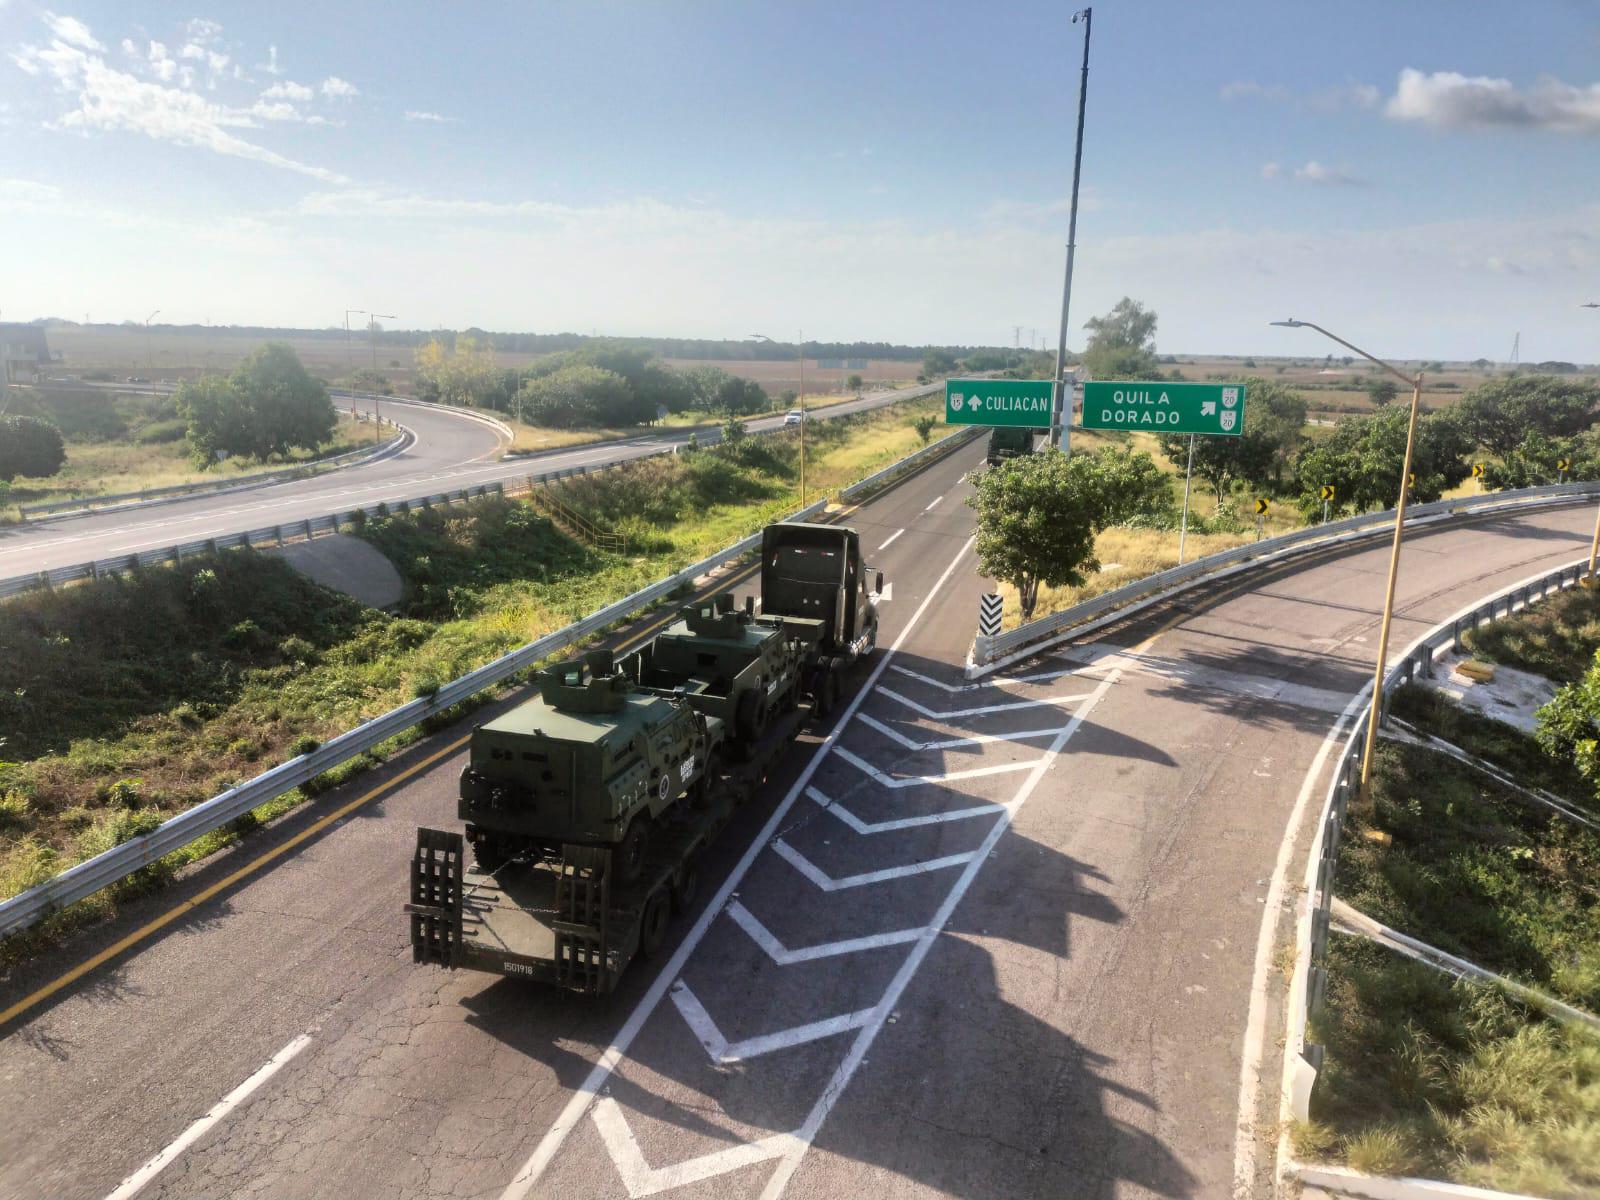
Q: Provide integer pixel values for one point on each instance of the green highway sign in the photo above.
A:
(1212, 408)
(1024, 402)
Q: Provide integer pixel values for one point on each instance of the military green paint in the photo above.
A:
(1016, 402)
(1204, 408)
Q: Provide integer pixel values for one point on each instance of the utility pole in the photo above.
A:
(349, 350)
(372, 336)
(149, 351)
(1594, 546)
(1063, 397)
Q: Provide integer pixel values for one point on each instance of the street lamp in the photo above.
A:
(763, 337)
(149, 353)
(1394, 550)
(372, 336)
(1594, 546)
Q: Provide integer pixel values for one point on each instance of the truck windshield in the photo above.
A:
(806, 564)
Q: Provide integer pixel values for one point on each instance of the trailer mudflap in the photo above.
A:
(437, 869)
(583, 900)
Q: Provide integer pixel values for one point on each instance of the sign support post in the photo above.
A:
(1061, 416)
(1188, 478)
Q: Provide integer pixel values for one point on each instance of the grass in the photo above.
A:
(1556, 637)
(111, 467)
(113, 724)
(1427, 1076)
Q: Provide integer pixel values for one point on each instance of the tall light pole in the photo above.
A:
(763, 337)
(1594, 546)
(149, 352)
(1394, 549)
(349, 350)
(1063, 398)
(372, 336)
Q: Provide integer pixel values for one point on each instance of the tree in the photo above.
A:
(1274, 417)
(1122, 343)
(1498, 414)
(1382, 392)
(269, 405)
(463, 374)
(938, 362)
(924, 424)
(1363, 457)
(580, 395)
(1537, 458)
(739, 397)
(1038, 514)
(854, 383)
(29, 446)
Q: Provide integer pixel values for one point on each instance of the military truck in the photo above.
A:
(587, 808)
(1010, 442)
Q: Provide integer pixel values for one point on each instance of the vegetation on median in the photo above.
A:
(1556, 638)
(134, 698)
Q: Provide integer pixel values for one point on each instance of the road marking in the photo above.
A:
(721, 1050)
(870, 827)
(931, 503)
(977, 739)
(550, 1145)
(829, 884)
(885, 545)
(641, 1179)
(952, 713)
(997, 681)
(134, 1184)
(783, 956)
(893, 781)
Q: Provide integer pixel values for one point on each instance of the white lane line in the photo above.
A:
(641, 1179)
(885, 545)
(721, 1050)
(978, 739)
(783, 956)
(134, 1184)
(549, 1146)
(950, 714)
(870, 827)
(932, 502)
(790, 1161)
(892, 781)
(829, 884)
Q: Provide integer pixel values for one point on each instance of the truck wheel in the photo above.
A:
(825, 696)
(631, 851)
(490, 853)
(653, 924)
(687, 887)
(700, 791)
(749, 718)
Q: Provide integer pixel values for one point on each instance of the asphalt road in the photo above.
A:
(451, 451)
(982, 940)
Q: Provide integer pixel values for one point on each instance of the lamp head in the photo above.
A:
(1591, 304)
(1291, 323)
(1082, 12)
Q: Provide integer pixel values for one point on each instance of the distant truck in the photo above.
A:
(1010, 442)
(586, 808)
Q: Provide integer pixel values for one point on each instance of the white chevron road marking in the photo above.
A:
(641, 1179)
(783, 956)
(893, 781)
(829, 884)
(870, 827)
(950, 714)
(721, 1050)
(978, 739)
(999, 681)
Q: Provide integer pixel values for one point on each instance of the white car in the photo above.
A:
(793, 417)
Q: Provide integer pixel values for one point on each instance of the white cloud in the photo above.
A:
(1449, 100)
(334, 86)
(193, 51)
(1352, 93)
(202, 29)
(110, 100)
(1316, 173)
(271, 66)
(418, 115)
(15, 192)
(1270, 170)
(289, 90)
(72, 31)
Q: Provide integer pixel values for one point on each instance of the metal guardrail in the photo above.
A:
(988, 652)
(1346, 782)
(83, 880)
(201, 487)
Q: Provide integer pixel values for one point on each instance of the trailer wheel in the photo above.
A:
(632, 849)
(686, 888)
(748, 717)
(653, 924)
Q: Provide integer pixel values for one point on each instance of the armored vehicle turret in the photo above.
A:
(593, 761)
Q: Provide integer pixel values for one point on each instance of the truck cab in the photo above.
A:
(1008, 442)
(814, 573)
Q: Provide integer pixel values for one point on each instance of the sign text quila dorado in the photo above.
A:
(1204, 408)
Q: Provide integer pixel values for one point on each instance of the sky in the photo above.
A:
(1419, 177)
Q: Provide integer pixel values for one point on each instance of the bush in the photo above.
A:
(160, 433)
(29, 446)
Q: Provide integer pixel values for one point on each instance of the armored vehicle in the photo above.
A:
(593, 761)
(1010, 442)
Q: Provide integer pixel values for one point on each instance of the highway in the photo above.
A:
(992, 939)
(451, 451)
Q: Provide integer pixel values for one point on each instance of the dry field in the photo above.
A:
(782, 375)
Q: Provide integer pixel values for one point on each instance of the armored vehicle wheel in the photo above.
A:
(750, 718)
(653, 924)
(687, 887)
(490, 853)
(630, 852)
